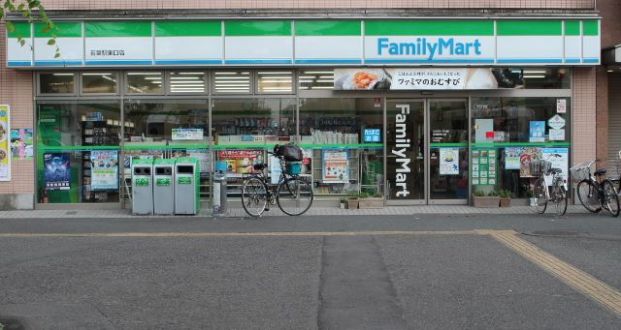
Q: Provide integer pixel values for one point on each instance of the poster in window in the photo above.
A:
(5, 130)
(21, 143)
(528, 155)
(561, 106)
(449, 161)
(104, 170)
(240, 161)
(512, 158)
(537, 131)
(559, 157)
(483, 130)
(335, 166)
(57, 171)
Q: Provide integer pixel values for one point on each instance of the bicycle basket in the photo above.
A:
(289, 152)
(579, 172)
(293, 168)
(539, 167)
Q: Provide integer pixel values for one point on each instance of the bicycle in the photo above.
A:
(293, 194)
(594, 191)
(556, 194)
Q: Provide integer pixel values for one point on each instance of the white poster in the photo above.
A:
(483, 130)
(335, 166)
(556, 134)
(449, 161)
(559, 157)
(104, 170)
(187, 134)
(561, 106)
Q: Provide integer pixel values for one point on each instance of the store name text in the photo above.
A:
(422, 47)
(402, 147)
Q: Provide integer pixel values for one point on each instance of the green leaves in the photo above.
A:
(26, 9)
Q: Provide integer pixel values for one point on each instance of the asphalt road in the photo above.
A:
(415, 272)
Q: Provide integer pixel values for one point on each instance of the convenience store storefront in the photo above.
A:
(418, 111)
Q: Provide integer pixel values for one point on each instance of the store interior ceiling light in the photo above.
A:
(529, 71)
(144, 73)
(62, 74)
(534, 76)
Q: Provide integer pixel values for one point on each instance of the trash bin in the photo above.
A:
(142, 186)
(219, 196)
(164, 186)
(187, 186)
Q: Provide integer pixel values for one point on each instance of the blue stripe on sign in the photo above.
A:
(19, 63)
(272, 61)
(119, 62)
(57, 63)
(188, 61)
(529, 60)
(572, 60)
(451, 61)
(328, 61)
(590, 60)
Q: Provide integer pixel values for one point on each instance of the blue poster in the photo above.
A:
(57, 171)
(537, 131)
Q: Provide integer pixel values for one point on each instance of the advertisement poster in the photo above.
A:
(559, 157)
(21, 143)
(335, 166)
(483, 130)
(104, 170)
(57, 171)
(557, 134)
(484, 167)
(537, 131)
(426, 79)
(184, 134)
(528, 154)
(449, 161)
(512, 158)
(5, 130)
(561, 106)
(240, 161)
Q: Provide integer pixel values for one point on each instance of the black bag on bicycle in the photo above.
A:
(289, 152)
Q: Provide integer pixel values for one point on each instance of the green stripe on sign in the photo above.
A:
(429, 28)
(257, 28)
(572, 28)
(118, 29)
(327, 28)
(20, 30)
(529, 28)
(60, 30)
(188, 29)
(590, 28)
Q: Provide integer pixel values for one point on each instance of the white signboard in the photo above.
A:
(561, 106)
(556, 122)
(556, 134)
(449, 161)
(187, 133)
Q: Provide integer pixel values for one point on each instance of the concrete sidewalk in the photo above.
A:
(274, 211)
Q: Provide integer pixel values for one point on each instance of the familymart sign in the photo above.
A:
(308, 43)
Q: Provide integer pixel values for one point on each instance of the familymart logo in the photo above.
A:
(424, 47)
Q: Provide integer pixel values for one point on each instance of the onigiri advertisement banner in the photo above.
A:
(427, 79)
(5, 131)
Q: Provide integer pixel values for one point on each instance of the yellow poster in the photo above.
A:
(5, 131)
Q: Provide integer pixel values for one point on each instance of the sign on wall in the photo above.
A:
(5, 131)
(104, 170)
(308, 42)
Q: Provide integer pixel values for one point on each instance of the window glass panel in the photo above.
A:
(275, 82)
(232, 82)
(98, 82)
(144, 82)
(316, 79)
(187, 82)
(56, 83)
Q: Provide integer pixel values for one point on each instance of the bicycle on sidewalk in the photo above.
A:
(595, 191)
(293, 193)
(544, 192)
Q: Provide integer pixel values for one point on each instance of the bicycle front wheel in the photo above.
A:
(560, 199)
(611, 199)
(294, 196)
(254, 197)
(539, 193)
(587, 194)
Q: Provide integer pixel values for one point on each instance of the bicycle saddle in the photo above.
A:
(555, 171)
(599, 172)
(259, 167)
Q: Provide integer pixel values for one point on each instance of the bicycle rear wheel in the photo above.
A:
(611, 199)
(587, 194)
(254, 197)
(560, 199)
(540, 194)
(294, 196)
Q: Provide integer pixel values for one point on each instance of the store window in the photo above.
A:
(508, 133)
(346, 139)
(99, 82)
(231, 82)
(78, 152)
(316, 80)
(275, 82)
(57, 83)
(187, 82)
(149, 82)
(532, 78)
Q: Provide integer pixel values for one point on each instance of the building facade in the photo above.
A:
(417, 101)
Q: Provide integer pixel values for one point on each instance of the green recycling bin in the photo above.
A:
(187, 186)
(164, 186)
(142, 186)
